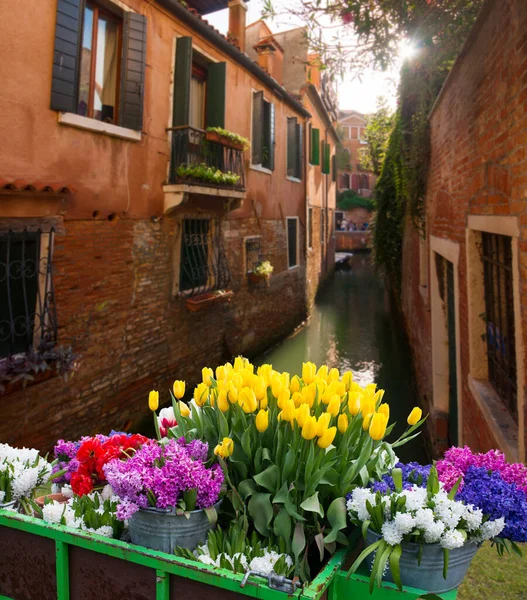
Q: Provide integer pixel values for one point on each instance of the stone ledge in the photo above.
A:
(178, 194)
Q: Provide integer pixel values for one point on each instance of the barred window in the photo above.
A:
(499, 316)
(203, 265)
(27, 309)
(292, 242)
(253, 252)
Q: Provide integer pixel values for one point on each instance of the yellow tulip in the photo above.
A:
(179, 389)
(309, 371)
(323, 423)
(247, 400)
(342, 423)
(328, 393)
(276, 386)
(237, 379)
(367, 405)
(415, 416)
(184, 409)
(378, 426)
(377, 398)
(385, 410)
(259, 387)
(201, 394)
(288, 411)
(333, 375)
(225, 449)
(221, 373)
(232, 393)
(339, 388)
(286, 379)
(327, 438)
(334, 405)
(283, 397)
(301, 414)
(309, 429)
(153, 400)
(297, 399)
(223, 403)
(207, 375)
(264, 372)
(262, 420)
(323, 372)
(228, 368)
(370, 388)
(366, 421)
(347, 380)
(239, 363)
(295, 384)
(321, 388)
(354, 403)
(308, 394)
(264, 402)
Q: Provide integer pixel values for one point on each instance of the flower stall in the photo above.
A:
(261, 485)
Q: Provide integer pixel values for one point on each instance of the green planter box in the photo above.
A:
(51, 562)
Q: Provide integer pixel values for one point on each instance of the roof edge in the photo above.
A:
(315, 94)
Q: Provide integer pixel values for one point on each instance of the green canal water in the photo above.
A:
(354, 326)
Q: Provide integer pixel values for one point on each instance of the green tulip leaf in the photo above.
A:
(394, 566)
(282, 494)
(247, 488)
(282, 526)
(291, 508)
(261, 510)
(299, 540)
(312, 504)
(319, 539)
(289, 464)
(268, 479)
(337, 513)
(246, 442)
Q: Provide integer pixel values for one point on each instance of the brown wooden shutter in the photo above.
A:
(257, 135)
(133, 71)
(216, 84)
(181, 111)
(66, 55)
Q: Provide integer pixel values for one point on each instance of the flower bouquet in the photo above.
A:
(262, 270)
(167, 492)
(292, 448)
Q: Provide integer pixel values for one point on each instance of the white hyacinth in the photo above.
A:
(22, 470)
(416, 498)
(357, 502)
(265, 564)
(491, 529)
(433, 532)
(404, 522)
(452, 539)
(391, 533)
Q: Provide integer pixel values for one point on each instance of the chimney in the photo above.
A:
(266, 58)
(237, 22)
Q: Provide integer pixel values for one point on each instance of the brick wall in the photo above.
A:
(320, 258)
(113, 289)
(478, 167)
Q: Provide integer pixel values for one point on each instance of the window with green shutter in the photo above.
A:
(263, 132)
(315, 147)
(326, 160)
(294, 148)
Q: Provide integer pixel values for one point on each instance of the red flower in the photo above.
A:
(346, 17)
(81, 484)
(88, 450)
(165, 425)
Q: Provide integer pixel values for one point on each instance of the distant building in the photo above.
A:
(352, 125)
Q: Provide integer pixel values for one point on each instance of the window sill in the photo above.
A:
(88, 124)
(500, 422)
(293, 267)
(261, 169)
(293, 179)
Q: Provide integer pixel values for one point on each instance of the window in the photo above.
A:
(203, 266)
(99, 63)
(314, 155)
(310, 228)
(27, 316)
(364, 182)
(499, 317)
(294, 148)
(198, 95)
(292, 242)
(346, 133)
(263, 132)
(253, 252)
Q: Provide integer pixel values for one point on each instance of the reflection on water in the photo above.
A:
(354, 327)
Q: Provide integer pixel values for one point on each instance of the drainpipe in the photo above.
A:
(326, 192)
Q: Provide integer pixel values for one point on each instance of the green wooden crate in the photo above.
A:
(39, 561)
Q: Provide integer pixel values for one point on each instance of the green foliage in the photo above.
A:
(208, 174)
(230, 136)
(376, 134)
(349, 199)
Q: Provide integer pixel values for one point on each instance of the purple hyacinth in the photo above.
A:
(414, 474)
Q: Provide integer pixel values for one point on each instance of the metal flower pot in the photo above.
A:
(8, 504)
(163, 530)
(428, 575)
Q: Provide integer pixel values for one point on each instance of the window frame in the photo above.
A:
(268, 170)
(298, 152)
(289, 266)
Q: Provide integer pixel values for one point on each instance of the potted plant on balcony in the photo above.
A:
(203, 301)
(227, 138)
(261, 271)
(208, 175)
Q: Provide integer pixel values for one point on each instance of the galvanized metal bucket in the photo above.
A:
(163, 529)
(428, 575)
(8, 504)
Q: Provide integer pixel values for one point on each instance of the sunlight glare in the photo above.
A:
(407, 50)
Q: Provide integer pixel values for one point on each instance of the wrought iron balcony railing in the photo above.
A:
(192, 149)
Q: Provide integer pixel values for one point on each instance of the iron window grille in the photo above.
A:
(499, 318)
(292, 242)
(203, 264)
(253, 253)
(27, 302)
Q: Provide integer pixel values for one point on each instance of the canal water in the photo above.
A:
(354, 326)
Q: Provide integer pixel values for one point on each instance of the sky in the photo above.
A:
(360, 95)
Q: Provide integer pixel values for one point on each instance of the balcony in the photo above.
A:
(204, 164)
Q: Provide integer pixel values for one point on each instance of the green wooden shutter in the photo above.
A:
(323, 154)
(334, 168)
(257, 134)
(315, 146)
(299, 149)
(216, 83)
(181, 111)
(291, 147)
(271, 135)
(133, 71)
(326, 160)
(66, 56)
(310, 142)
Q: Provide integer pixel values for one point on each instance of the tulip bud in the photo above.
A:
(262, 420)
(334, 405)
(301, 414)
(297, 399)
(377, 398)
(377, 427)
(225, 449)
(184, 410)
(354, 403)
(309, 370)
(221, 373)
(239, 363)
(309, 429)
(333, 375)
(347, 380)
(264, 402)
(283, 397)
(232, 393)
(247, 400)
(276, 386)
(384, 409)
(207, 375)
(323, 372)
(201, 394)
(367, 405)
(342, 423)
(327, 438)
(288, 411)
(223, 403)
(259, 387)
(153, 400)
(308, 394)
(366, 421)
(264, 371)
(295, 384)
(286, 379)
(179, 389)
(415, 416)
(323, 423)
